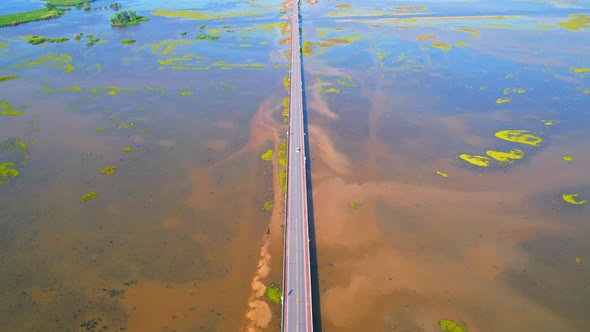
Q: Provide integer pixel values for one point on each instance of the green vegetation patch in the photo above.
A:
(7, 109)
(354, 205)
(283, 181)
(268, 205)
(183, 33)
(58, 40)
(128, 41)
(203, 26)
(450, 326)
(32, 16)
(8, 78)
(67, 3)
(89, 196)
(274, 293)
(127, 18)
(267, 156)
(7, 172)
(283, 154)
(92, 40)
(210, 37)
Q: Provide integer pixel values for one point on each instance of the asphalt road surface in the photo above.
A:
(296, 277)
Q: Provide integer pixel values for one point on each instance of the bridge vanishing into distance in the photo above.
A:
(297, 301)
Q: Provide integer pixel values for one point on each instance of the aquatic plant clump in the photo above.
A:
(273, 292)
(267, 156)
(210, 37)
(7, 172)
(8, 78)
(126, 18)
(7, 109)
(67, 3)
(571, 198)
(450, 326)
(267, 206)
(32, 16)
(89, 196)
(108, 170)
(128, 41)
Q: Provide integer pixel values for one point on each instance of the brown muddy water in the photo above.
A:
(449, 151)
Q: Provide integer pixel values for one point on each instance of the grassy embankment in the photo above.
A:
(32, 16)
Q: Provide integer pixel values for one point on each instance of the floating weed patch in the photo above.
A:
(474, 33)
(52, 60)
(127, 149)
(508, 91)
(329, 90)
(462, 44)
(578, 260)
(425, 37)
(89, 196)
(7, 172)
(108, 170)
(506, 157)
(267, 206)
(226, 66)
(8, 78)
(450, 326)
(481, 161)
(195, 15)
(444, 175)
(550, 122)
(7, 109)
(354, 205)
(442, 46)
(16, 145)
(274, 293)
(128, 41)
(267, 156)
(502, 100)
(571, 198)
(519, 136)
(209, 37)
(346, 81)
(576, 22)
(70, 88)
(568, 158)
(404, 7)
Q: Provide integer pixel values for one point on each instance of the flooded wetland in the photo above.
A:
(142, 164)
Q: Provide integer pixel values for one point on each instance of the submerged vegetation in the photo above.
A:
(450, 326)
(32, 16)
(273, 292)
(128, 41)
(267, 156)
(267, 206)
(126, 18)
(89, 196)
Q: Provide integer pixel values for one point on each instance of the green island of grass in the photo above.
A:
(67, 3)
(273, 292)
(92, 40)
(126, 18)
(128, 41)
(210, 37)
(36, 40)
(32, 16)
